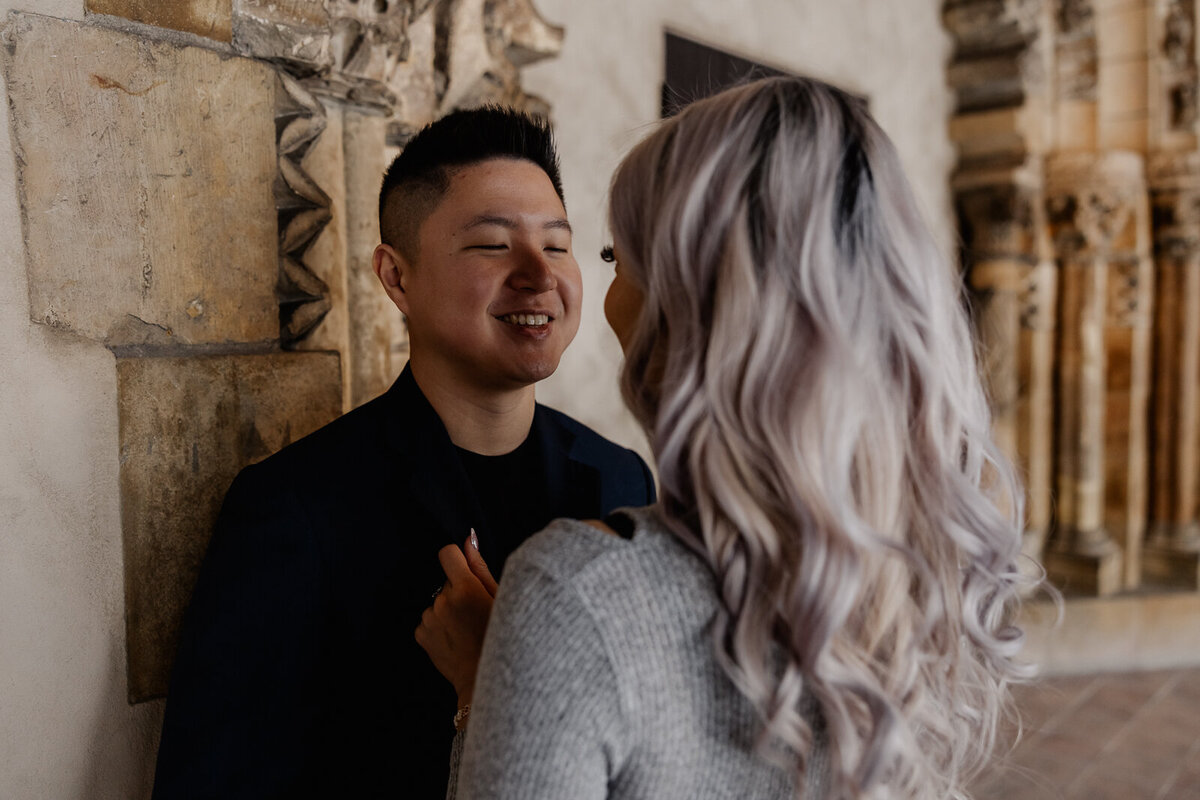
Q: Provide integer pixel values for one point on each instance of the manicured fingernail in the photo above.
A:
(474, 540)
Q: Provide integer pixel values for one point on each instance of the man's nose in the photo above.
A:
(534, 273)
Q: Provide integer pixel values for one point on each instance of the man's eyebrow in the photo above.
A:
(511, 224)
(491, 219)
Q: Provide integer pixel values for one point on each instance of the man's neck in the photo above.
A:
(490, 423)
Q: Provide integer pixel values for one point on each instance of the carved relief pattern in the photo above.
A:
(1179, 64)
(1127, 295)
(304, 210)
(1036, 296)
(998, 222)
(1077, 76)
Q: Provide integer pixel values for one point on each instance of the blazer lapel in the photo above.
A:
(440, 504)
(572, 483)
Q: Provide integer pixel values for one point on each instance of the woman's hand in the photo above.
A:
(452, 629)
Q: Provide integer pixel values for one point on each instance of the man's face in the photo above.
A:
(493, 298)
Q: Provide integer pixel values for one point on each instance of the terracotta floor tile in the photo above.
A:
(1104, 785)
(1186, 785)
(1105, 737)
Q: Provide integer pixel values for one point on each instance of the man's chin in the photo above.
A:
(532, 372)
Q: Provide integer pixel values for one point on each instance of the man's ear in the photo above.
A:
(392, 270)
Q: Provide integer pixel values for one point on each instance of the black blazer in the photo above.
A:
(297, 674)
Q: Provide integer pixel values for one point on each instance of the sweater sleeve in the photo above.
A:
(546, 718)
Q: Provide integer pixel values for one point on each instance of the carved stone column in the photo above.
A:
(1099, 222)
(1014, 286)
(1001, 128)
(1172, 552)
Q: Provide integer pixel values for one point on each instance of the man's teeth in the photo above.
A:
(526, 319)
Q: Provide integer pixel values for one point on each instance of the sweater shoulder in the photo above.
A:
(603, 564)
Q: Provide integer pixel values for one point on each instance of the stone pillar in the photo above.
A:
(1014, 287)
(1098, 216)
(1172, 553)
(378, 343)
(1001, 129)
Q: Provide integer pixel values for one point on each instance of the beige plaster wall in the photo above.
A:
(66, 730)
(604, 91)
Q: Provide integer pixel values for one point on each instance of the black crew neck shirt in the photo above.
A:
(511, 491)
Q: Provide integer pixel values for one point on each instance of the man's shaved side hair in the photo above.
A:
(418, 178)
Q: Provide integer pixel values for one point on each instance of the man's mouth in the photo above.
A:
(526, 320)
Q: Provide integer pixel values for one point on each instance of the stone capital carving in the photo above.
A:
(1093, 203)
(998, 221)
(1175, 206)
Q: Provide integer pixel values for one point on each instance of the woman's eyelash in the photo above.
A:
(607, 254)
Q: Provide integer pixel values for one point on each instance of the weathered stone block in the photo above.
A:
(209, 18)
(145, 178)
(187, 426)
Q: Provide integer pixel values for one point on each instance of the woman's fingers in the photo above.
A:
(454, 564)
(478, 566)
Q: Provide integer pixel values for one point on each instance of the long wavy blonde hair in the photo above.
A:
(804, 368)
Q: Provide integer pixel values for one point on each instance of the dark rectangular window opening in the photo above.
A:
(695, 71)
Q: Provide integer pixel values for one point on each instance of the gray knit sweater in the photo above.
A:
(598, 680)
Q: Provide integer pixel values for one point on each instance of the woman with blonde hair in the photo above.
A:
(820, 605)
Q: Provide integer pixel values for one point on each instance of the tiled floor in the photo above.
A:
(1104, 737)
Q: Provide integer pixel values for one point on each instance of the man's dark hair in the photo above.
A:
(418, 178)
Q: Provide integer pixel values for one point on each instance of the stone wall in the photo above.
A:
(1076, 128)
(186, 221)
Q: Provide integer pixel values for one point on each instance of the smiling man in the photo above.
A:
(298, 674)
